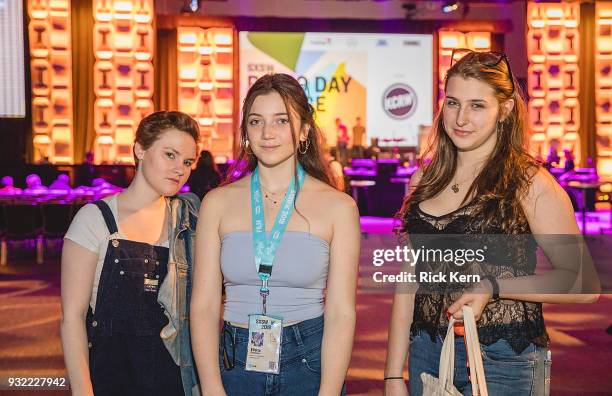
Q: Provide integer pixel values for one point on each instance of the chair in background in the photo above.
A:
(2, 234)
(22, 224)
(76, 206)
(56, 220)
(604, 196)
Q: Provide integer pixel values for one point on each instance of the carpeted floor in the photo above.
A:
(581, 348)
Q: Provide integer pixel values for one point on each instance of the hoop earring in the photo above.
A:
(245, 145)
(306, 144)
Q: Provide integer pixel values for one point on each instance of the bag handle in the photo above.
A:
(472, 344)
(447, 357)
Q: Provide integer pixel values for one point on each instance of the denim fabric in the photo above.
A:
(300, 364)
(175, 291)
(122, 364)
(126, 354)
(506, 372)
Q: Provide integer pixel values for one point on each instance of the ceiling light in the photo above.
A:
(450, 6)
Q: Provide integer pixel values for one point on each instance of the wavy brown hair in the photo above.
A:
(296, 102)
(503, 181)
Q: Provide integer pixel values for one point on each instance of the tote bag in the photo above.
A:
(443, 386)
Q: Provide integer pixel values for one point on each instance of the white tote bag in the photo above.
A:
(443, 386)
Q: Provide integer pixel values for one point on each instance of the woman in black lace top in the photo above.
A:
(482, 184)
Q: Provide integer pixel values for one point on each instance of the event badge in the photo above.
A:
(265, 331)
(264, 347)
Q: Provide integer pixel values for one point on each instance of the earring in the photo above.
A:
(245, 144)
(303, 149)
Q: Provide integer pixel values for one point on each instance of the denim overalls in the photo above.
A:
(126, 353)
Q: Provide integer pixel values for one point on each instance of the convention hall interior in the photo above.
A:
(77, 76)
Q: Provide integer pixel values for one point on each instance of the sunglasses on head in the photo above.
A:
(489, 59)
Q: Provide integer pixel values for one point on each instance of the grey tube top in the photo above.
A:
(297, 284)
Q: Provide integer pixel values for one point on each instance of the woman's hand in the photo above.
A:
(396, 387)
(476, 297)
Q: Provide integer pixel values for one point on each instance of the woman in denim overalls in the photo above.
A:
(126, 272)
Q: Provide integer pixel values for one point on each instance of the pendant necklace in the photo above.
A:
(270, 196)
(455, 186)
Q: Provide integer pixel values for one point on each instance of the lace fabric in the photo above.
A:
(518, 322)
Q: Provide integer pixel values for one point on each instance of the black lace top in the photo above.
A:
(517, 322)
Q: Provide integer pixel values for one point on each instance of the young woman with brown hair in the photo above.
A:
(289, 308)
(126, 269)
(482, 181)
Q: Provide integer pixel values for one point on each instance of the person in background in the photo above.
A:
(89, 158)
(553, 159)
(359, 136)
(569, 160)
(205, 176)
(342, 141)
(374, 149)
(126, 273)
(86, 171)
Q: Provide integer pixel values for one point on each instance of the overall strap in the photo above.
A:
(105, 275)
(109, 219)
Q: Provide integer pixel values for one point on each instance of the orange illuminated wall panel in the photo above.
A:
(51, 71)
(553, 76)
(449, 40)
(123, 75)
(603, 87)
(205, 84)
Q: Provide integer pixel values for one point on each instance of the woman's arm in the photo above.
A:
(398, 342)
(78, 271)
(553, 224)
(551, 218)
(339, 328)
(402, 313)
(205, 305)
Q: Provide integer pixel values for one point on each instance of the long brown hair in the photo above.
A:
(295, 99)
(504, 179)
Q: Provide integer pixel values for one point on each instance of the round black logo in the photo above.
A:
(399, 101)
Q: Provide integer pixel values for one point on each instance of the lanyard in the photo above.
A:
(264, 248)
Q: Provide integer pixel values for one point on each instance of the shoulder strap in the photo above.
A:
(109, 219)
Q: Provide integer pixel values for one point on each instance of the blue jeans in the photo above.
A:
(507, 372)
(300, 363)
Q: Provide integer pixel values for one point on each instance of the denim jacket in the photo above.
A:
(175, 291)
